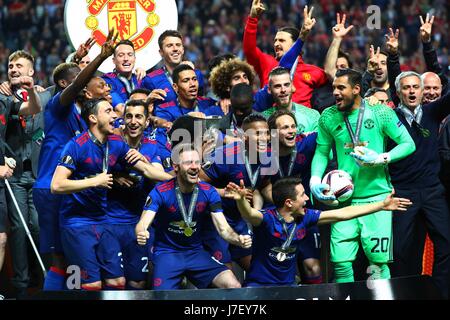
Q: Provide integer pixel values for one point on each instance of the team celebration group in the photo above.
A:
(166, 179)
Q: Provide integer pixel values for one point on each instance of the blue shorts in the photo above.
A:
(310, 245)
(81, 248)
(47, 206)
(198, 266)
(221, 249)
(119, 240)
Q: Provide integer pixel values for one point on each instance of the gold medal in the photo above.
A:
(188, 231)
(281, 256)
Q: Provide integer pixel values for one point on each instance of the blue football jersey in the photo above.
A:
(268, 239)
(61, 123)
(120, 89)
(172, 110)
(169, 225)
(125, 204)
(305, 148)
(228, 165)
(159, 79)
(164, 147)
(85, 158)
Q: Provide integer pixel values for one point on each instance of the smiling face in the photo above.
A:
(280, 87)
(19, 67)
(344, 93)
(97, 88)
(380, 75)
(188, 168)
(186, 87)
(432, 87)
(172, 51)
(105, 118)
(124, 59)
(297, 205)
(257, 136)
(282, 43)
(410, 93)
(135, 121)
(286, 130)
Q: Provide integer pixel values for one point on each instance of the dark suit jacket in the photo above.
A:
(17, 137)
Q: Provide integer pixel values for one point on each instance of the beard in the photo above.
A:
(346, 106)
(282, 105)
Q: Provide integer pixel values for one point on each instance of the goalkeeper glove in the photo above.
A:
(318, 188)
(366, 157)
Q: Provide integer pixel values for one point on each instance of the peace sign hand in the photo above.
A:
(374, 59)
(339, 30)
(84, 48)
(257, 9)
(392, 41)
(425, 28)
(308, 22)
(108, 46)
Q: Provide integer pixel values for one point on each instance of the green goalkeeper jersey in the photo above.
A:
(379, 122)
(307, 118)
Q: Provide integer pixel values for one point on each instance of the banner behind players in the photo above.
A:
(141, 21)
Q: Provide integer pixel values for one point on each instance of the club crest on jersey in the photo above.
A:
(200, 206)
(369, 124)
(306, 76)
(301, 233)
(300, 128)
(300, 159)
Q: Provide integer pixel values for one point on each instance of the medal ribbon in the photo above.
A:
(290, 235)
(187, 217)
(355, 135)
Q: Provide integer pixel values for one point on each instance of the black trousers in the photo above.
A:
(24, 261)
(430, 208)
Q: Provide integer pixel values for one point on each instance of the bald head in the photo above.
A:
(432, 87)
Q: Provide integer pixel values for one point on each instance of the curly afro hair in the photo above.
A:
(221, 75)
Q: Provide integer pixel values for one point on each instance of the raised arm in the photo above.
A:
(350, 212)
(251, 51)
(150, 171)
(33, 105)
(83, 50)
(429, 53)
(238, 193)
(289, 58)
(70, 93)
(372, 65)
(393, 63)
(339, 32)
